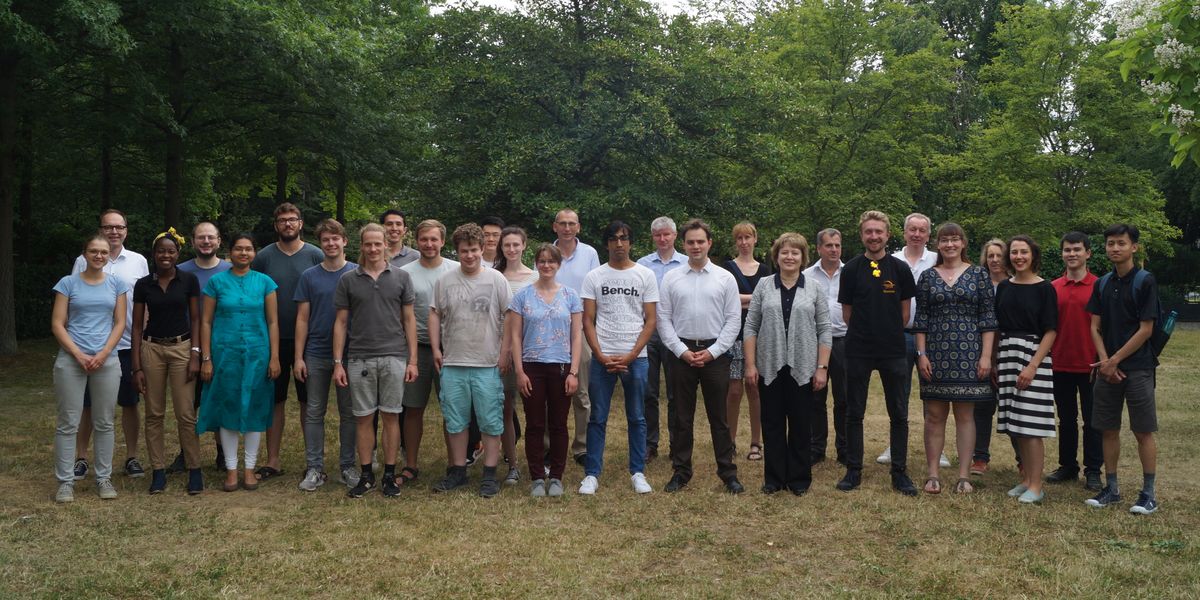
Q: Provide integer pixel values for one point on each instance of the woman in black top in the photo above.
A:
(166, 352)
(746, 271)
(1027, 311)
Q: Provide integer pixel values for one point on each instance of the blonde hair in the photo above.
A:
(794, 240)
(745, 228)
(874, 215)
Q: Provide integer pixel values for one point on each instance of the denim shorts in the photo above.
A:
(472, 388)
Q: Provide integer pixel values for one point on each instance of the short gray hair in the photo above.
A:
(918, 215)
(828, 231)
(662, 223)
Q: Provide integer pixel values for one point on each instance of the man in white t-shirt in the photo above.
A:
(915, 254)
(619, 300)
(129, 266)
(431, 236)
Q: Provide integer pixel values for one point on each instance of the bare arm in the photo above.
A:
(271, 308)
(435, 338)
(410, 332)
(339, 344)
(135, 339)
(206, 321)
(299, 368)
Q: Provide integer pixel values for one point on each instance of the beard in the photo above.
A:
(289, 237)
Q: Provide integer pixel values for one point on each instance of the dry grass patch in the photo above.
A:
(698, 543)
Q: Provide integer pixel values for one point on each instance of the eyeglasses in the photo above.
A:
(112, 228)
(205, 238)
(288, 220)
(619, 238)
(546, 262)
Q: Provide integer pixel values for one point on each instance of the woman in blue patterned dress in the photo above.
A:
(239, 344)
(954, 328)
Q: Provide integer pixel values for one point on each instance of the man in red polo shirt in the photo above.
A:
(1073, 356)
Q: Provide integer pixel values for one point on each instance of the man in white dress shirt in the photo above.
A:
(828, 271)
(128, 266)
(699, 316)
(578, 260)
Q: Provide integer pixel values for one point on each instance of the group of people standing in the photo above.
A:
(479, 331)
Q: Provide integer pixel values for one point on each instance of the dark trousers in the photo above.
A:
(787, 414)
(657, 357)
(820, 419)
(896, 376)
(287, 358)
(1068, 386)
(984, 411)
(546, 407)
(713, 380)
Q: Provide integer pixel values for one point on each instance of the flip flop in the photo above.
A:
(933, 485)
(755, 452)
(408, 474)
(964, 486)
(265, 473)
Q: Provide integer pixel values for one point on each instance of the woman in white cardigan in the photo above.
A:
(788, 339)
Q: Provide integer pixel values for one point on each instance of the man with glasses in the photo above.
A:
(491, 226)
(284, 262)
(128, 266)
(578, 260)
(206, 240)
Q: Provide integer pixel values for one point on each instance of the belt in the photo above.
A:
(168, 340)
(699, 343)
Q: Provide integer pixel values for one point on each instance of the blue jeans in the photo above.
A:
(600, 388)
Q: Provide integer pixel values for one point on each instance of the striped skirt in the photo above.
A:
(1028, 412)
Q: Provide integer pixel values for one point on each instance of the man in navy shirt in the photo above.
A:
(876, 290)
(1124, 306)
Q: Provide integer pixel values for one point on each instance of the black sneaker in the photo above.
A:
(365, 484)
(158, 481)
(177, 466)
(488, 488)
(1144, 505)
(676, 483)
(1062, 474)
(901, 483)
(851, 480)
(195, 482)
(81, 468)
(455, 478)
(133, 468)
(1092, 482)
(1104, 498)
(389, 487)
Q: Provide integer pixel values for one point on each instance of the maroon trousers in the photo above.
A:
(546, 407)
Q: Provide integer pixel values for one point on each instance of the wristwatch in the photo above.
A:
(337, 361)
(822, 366)
(920, 353)
(196, 349)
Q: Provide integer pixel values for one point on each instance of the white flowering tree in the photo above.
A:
(1158, 41)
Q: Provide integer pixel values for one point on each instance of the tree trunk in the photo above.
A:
(173, 206)
(25, 187)
(281, 177)
(341, 191)
(8, 130)
(106, 173)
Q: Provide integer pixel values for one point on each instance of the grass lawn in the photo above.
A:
(699, 543)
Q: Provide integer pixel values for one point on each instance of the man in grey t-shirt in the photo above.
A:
(284, 262)
(376, 329)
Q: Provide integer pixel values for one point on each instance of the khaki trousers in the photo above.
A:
(167, 365)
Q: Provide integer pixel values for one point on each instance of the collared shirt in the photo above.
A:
(789, 326)
(927, 260)
(575, 268)
(832, 285)
(655, 263)
(699, 304)
(403, 257)
(376, 311)
(1121, 314)
(129, 266)
(169, 311)
(1073, 350)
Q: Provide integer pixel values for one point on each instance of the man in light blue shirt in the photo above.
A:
(578, 260)
(664, 258)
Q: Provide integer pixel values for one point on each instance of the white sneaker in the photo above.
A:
(589, 485)
(350, 476)
(313, 479)
(66, 493)
(942, 461)
(106, 490)
(640, 485)
(886, 457)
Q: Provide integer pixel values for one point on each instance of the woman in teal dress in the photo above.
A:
(239, 341)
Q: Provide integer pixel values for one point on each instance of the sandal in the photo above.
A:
(933, 485)
(755, 452)
(265, 473)
(964, 486)
(408, 474)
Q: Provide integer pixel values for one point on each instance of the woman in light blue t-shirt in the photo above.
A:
(88, 320)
